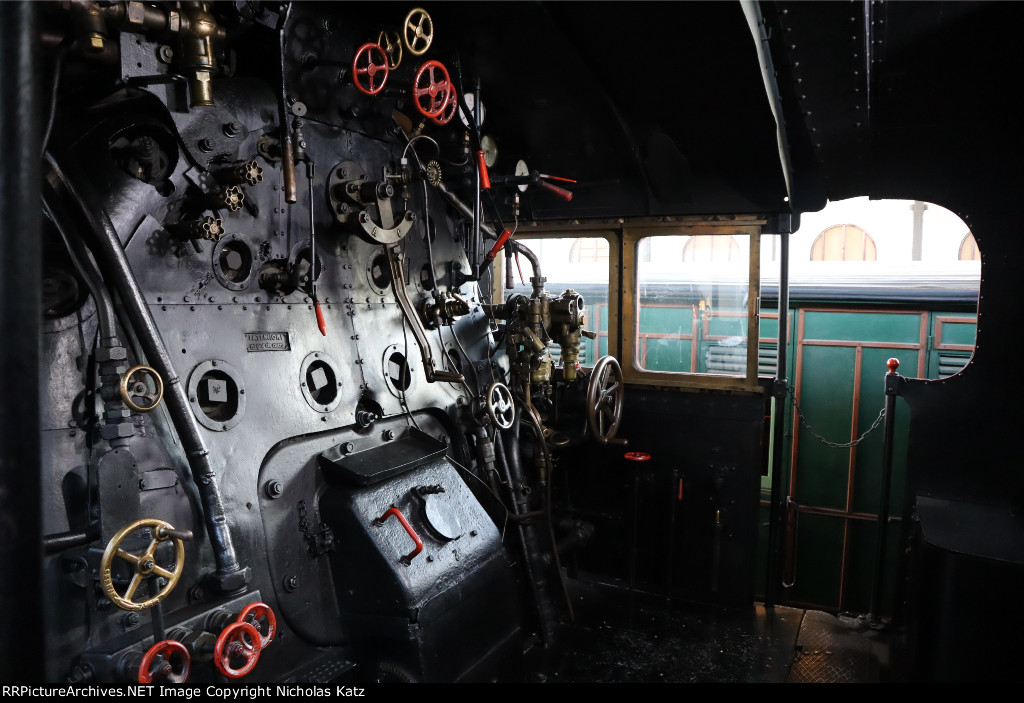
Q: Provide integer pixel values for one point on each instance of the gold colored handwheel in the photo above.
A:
(418, 31)
(144, 565)
(391, 43)
(142, 389)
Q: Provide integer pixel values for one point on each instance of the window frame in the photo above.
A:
(631, 236)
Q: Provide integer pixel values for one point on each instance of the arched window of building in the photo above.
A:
(717, 247)
(589, 250)
(844, 243)
(969, 249)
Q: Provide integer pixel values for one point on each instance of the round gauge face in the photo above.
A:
(490, 148)
(522, 170)
(471, 104)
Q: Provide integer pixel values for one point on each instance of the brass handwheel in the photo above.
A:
(143, 565)
(605, 393)
(142, 389)
(391, 43)
(418, 31)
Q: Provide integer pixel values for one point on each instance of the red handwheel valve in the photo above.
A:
(262, 617)
(165, 662)
(376, 63)
(431, 97)
(237, 649)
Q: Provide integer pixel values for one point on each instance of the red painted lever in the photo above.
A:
(320, 322)
(481, 162)
(408, 528)
(560, 192)
(497, 246)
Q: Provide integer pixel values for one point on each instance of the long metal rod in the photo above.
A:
(230, 574)
(776, 522)
(891, 391)
(474, 251)
(21, 575)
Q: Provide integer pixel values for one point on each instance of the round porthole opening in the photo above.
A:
(320, 384)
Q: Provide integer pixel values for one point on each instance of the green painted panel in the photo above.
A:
(863, 326)
(722, 326)
(769, 325)
(668, 354)
(819, 560)
(666, 320)
(827, 404)
(870, 452)
(958, 333)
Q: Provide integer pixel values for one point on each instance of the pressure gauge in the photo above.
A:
(471, 104)
(490, 150)
(522, 170)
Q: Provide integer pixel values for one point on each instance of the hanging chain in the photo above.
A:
(838, 445)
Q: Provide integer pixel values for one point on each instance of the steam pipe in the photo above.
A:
(466, 211)
(528, 540)
(21, 578)
(291, 186)
(537, 280)
(230, 575)
(80, 259)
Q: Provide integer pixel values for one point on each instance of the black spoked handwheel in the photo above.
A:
(605, 394)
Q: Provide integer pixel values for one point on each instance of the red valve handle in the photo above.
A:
(435, 91)
(408, 528)
(166, 662)
(239, 640)
(320, 322)
(255, 614)
(497, 247)
(481, 164)
(893, 364)
(449, 110)
(562, 193)
(637, 456)
(371, 69)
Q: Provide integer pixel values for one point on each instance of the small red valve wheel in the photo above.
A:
(371, 77)
(237, 650)
(637, 456)
(260, 616)
(450, 108)
(431, 88)
(166, 662)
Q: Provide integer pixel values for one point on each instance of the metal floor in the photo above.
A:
(619, 637)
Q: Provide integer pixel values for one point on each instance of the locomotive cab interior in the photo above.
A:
(448, 342)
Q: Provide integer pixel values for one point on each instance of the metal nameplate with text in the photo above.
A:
(266, 341)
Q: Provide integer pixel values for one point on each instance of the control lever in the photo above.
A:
(397, 266)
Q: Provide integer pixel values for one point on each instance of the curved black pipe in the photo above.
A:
(93, 281)
(537, 280)
(230, 576)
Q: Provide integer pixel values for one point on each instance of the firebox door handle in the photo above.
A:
(407, 559)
